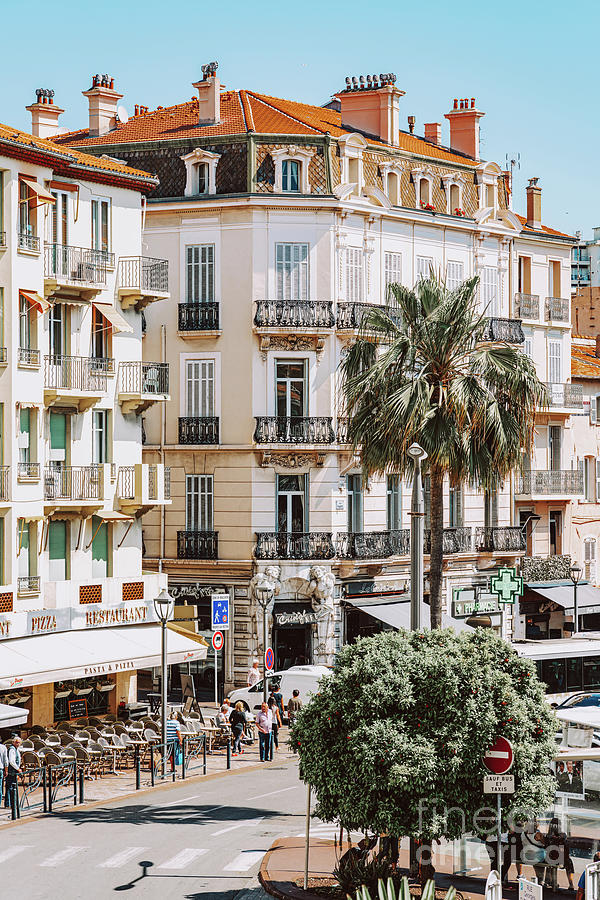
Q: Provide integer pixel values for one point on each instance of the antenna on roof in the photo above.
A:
(122, 114)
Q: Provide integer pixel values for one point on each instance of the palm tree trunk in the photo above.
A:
(436, 557)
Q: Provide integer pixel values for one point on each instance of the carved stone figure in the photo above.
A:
(269, 579)
(320, 590)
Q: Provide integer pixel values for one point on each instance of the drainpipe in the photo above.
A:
(163, 440)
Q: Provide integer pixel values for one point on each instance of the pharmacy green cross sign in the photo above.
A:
(507, 584)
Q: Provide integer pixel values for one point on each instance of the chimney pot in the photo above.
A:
(102, 105)
(534, 204)
(209, 95)
(455, 103)
(464, 127)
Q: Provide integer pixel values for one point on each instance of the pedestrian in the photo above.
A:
(3, 768)
(264, 723)
(581, 883)
(274, 708)
(534, 850)
(514, 850)
(557, 855)
(237, 720)
(222, 719)
(253, 674)
(294, 706)
(14, 770)
(173, 738)
(278, 697)
(227, 707)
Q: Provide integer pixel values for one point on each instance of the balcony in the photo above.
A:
(28, 357)
(294, 545)
(492, 539)
(4, 483)
(316, 315)
(142, 280)
(294, 430)
(72, 381)
(73, 273)
(199, 430)
(28, 242)
(28, 585)
(341, 431)
(455, 540)
(547, 482)
(28, 471)
(198, 320)
(567, 396)
(557, 310)
(373, 544)
(508, 331)
(142, 486)
(76, 488)
(141, 384)
(527, 306)
(197, 545)
(350, 315)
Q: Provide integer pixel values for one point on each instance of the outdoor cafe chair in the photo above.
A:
(53, 740)
(83, 721)
(38, 729)
(94, 720)
(27, 744)
(66, 738)
(110, 718)
(68, 753)
(30, 760)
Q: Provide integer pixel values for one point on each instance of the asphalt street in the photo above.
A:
(203, 839)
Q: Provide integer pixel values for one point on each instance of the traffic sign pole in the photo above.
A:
(499, 844)
(216, 683)
(218, 641)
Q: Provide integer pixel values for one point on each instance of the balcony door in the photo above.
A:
(292, 506)
(554, 447)
(200, 388)
(354, 490)
(200, 266)
(555, 530)
(199, 503)
(291, 394)
(291, 267)
(57, 330)
(25, 548)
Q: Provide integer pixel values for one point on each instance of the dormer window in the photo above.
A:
(453, 184)
(291, 170)
(487, 177)
(424, 194)
(351, 164)
(423, 181)
(390, 176)
(454, 197)
(200, 172)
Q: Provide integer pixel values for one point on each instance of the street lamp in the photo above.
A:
(575, 573)
(264, 595)
(164, 605)
(417, 524)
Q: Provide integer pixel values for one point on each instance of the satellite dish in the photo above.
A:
(122, 114)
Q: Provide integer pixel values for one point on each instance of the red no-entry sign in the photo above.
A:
(217, 640)
(499, 757)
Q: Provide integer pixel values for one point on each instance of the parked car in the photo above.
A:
(302, 678)
(583, 698)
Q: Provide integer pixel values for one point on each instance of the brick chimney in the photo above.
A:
(534, 204)
(44, 114)
(372, 104)
(464, 127)
(102, 100)
(209, 95)
(433, 132)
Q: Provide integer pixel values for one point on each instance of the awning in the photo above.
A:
(588, 597)
(115, 318)
(112, 515)
(43, 195)
(12, 715)
(186, 632)
(40, 303)
(396, 612)
(85, 654)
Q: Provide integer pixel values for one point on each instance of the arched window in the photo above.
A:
(454, 198)
(202, 170)
(393, 188)
(424, 192)
(290, 175)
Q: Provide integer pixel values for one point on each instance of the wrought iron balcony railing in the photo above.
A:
(548, 481)
(78, 265)
(29, 584)
(153, 482)
(489, 539)
(4, 482)
(294, 314)
(566, 395)
(372, 544)
(294, 545)
(198, 317)
(527, 306)
(72, 373)
(342, 431)
(29, 470)
(126, 483)
(28, 357)
(144, 273)
(557, 310)
(143, 378)
(456, 540)
(28, 241)
(199, 430)
(197, 545)
(294, 430)
(105, 365)
(73, 482)
(2, 240)
(350, 315)
(507, 330)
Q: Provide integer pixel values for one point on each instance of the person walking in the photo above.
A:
(264, 724)
(237, 720)
(173, 738)
(557, 856)
(253, 674)
(278, 697)
(274, 708)
(14, 770)
(294, 706)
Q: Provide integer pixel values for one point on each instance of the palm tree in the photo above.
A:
(424, 370)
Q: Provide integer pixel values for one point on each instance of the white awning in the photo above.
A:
(85, 654)
(39, 191)
(12, 715)
(118, 322)
(588, 596)
(396, 612)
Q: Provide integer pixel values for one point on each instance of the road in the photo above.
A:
(197, 840)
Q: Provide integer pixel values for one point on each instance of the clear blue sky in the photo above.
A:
(530, 66)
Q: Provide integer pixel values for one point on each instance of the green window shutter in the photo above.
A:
(57, 540)
(24, 421)
(58, 431)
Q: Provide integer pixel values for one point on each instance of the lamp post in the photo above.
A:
(264, 595)
(575, 573)
(164, 605)
(417, 524)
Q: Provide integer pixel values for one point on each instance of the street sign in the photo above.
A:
(269, 659)
(507, 584)
(498, 784)
(499, 757)
(219, 607)
(217, 640)
(530, 890)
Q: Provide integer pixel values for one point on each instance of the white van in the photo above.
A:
(301, 678)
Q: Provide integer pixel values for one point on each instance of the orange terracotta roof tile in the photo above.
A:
(544, 229)
(584, 362)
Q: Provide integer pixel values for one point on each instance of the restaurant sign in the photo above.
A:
(77, 618)
(294, 614)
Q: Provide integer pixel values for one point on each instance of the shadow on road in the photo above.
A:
(146, 867)
(182, 813)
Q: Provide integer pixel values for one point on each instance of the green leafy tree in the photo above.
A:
(394, 740)
(424, 370)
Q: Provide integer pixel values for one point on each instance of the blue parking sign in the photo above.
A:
(219, 612)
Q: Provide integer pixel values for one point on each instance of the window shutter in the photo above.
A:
(555, 362)
(489, 290)
(199, 502)
(454, 275)
(598, 481)
(58, 431)
(191, 275)
(57, 540)
(354, 279)
(392, 270)
(424, 264)
(594, 409)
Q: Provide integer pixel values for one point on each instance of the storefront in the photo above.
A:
(368, 614)
(549, 608)
(293, 627)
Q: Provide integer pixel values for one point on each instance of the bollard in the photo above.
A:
(183, 749)
(74, 784)
(173, 772)
(138, 774)
(229, 753)
(204, 755)
(44, 792)
(81, 786)
(152, 764)
(49, 789)
(13, 803)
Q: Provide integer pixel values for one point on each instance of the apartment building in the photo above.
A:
(280, 222)
(74, 601)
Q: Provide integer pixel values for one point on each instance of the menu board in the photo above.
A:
(78, 708)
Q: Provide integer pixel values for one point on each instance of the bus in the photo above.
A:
(566, 665)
